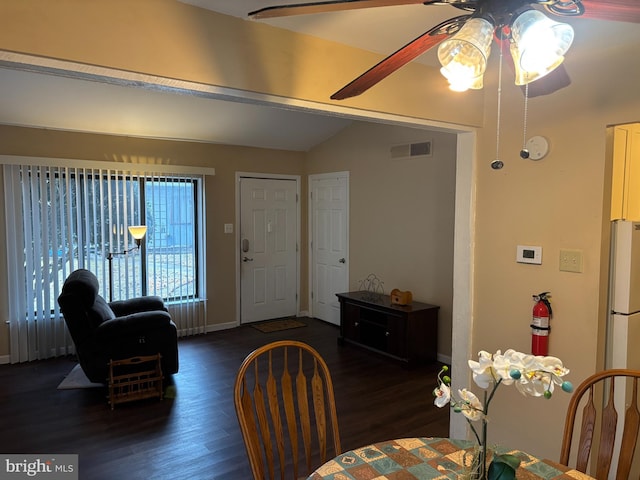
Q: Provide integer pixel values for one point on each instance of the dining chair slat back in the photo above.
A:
(284, 401)
(604, 396)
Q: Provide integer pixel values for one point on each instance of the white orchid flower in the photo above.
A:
(554, 367)
(535, 384)
(530, 363)
(442, 394)
(505, 364)
(535, 376)
(483, 373)
(532, 375)
(470, 405)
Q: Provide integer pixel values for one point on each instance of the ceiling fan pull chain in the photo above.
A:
(497, 164)
(524, 153)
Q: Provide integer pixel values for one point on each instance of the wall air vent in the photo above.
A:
(410, 150)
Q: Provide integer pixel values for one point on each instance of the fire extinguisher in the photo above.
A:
(540, 326)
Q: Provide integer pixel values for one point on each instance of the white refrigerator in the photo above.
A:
(624, 294)
(624, 319)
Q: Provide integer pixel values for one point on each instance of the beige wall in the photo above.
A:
(559, 202)
(556, 203)
(220, 193)
(401, 211)
(414, 197)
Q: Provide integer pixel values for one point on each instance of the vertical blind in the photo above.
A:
(60, 219)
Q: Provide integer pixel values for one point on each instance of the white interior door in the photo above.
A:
(268, 250)
(329, 215)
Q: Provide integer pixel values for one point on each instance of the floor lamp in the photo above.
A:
(137, 232)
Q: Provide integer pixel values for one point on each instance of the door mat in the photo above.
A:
(278, 325)
(77, 379)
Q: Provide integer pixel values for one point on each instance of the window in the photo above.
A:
(172, 244)
(170, 247)
(69, 218)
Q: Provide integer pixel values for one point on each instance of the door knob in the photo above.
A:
(247, 259)
(342, 260)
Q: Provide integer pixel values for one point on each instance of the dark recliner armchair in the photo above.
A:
(104, 331)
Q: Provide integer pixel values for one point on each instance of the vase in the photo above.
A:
(478, 468)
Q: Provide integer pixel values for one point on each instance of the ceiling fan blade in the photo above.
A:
(550, 83)
(614, 10)
(324, 7)
(611, 10)
(401, 57)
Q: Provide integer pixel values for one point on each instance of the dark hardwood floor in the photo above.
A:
(195, 435)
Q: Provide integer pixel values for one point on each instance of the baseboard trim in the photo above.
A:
(4, 359)
(220, 326)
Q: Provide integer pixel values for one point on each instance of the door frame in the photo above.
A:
(310, 178)
(238, 252)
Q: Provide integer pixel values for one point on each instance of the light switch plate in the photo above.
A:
(228, 228)
(571, 261)
(529, 254)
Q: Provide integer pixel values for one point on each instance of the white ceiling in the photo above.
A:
(382, 29)
(58, 102)
(48, 99)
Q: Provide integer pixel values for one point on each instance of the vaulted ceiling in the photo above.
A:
(48, 100)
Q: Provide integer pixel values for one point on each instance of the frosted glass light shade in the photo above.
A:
(538, 45)
(464, 56)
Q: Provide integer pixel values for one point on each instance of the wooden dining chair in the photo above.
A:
(596, 395)
(285, 404)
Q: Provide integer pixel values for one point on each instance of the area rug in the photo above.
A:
(77, 379)
(278, 325)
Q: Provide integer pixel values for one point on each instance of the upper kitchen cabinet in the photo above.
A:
(625, 186)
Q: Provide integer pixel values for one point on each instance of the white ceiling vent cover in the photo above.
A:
(410, 150)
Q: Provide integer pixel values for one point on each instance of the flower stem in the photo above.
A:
(475, 432)
(493, 392)
(483, 444)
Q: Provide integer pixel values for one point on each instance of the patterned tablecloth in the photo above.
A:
(427, 458)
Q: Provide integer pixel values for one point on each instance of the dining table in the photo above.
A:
(430, 459)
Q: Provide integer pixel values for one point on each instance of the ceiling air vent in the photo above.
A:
(410, 150)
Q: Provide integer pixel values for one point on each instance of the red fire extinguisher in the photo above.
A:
(540, 326)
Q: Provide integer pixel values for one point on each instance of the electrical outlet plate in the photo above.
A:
(529, 254)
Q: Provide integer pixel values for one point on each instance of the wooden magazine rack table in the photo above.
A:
(135, 378)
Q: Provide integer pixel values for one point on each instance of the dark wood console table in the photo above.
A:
(408, 333)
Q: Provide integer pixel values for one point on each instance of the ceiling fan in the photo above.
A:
(464, 40)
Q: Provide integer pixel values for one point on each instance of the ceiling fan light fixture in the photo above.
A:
(464, 56)
(462, 80)
(523, 76)
(538, 45)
